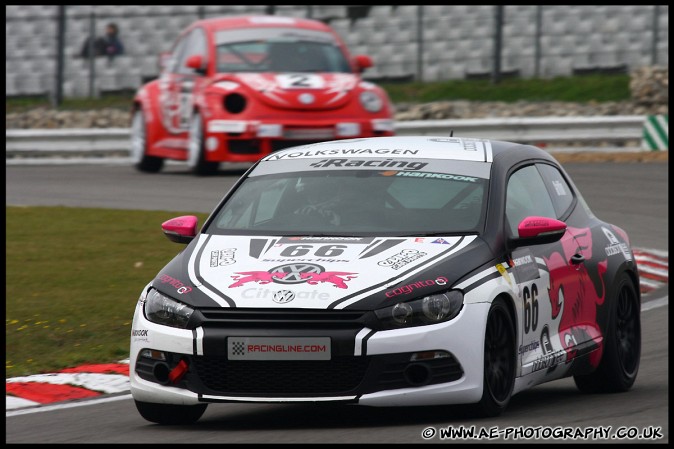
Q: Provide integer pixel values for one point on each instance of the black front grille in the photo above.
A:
(275, 319)
(281, 378)
(244, 146)
(341, 376)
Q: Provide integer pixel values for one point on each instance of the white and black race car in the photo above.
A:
(388, 271)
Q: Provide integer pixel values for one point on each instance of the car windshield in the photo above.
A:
(353, 202)
(278, 50)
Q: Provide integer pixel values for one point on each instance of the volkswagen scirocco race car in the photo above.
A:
(237, 88)
(388, 271)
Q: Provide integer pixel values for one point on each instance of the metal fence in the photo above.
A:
(406, 42)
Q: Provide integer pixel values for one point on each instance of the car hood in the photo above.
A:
(314, 91)
(362, 273)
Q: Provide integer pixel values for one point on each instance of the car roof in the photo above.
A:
(421, 147)
(259, 21)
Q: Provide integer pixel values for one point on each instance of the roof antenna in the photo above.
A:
(451, 133)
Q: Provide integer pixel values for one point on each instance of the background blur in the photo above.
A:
(406, 42)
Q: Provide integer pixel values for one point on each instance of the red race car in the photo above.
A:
(236, 89)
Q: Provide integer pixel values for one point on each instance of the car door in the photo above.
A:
(535, 268)
(578, 297)
(180, 83)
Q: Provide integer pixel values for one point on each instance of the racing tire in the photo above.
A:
(169, 414)
(500, 361)
(139, 157)
(196, 151)
(619, 364)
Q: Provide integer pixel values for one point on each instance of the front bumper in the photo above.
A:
(366, 367)
(249, 140)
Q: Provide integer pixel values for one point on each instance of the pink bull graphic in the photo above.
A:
(261, 277)
(329, 276)
(265, 277)
(573, 293)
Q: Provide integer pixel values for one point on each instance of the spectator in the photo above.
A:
(108, 45)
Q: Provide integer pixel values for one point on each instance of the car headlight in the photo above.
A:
(430, 309)
(161, 309)
(371, 101)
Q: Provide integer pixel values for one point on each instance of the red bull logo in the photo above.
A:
(333, 277)
(261, 277)
(295, 273)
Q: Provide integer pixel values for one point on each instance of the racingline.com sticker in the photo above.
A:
(289, 348)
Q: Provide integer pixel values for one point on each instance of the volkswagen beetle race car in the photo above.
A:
(388, 271)
(237, 88)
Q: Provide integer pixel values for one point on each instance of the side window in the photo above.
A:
(527, 195)
(196, 45)
(559, 189)
(186, 52)
(176, 55)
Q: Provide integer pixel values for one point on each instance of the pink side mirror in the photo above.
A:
(532, 227)
(181, 229)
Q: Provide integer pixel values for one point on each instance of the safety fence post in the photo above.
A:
(656, 133)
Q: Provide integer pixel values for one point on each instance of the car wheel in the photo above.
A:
(619, 365)
(169, 413)
(499, 361)
(143, 162)
(196, 156)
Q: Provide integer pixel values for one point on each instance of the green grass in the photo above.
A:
(575, 89)
(73, 278)
(118, 101)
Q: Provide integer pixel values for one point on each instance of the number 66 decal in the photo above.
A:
(530, 308)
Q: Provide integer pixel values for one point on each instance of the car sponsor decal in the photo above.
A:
(194, 272)
(409, 288)
(532, 346)
(283, 296)
(458, 244)
(295, 273)
(278, 348)
(428, 175)
(615, 246)
(504, 272)
(524, 265)
(433, 148)
(342, 152)
(223, 257)
(401, 259)
(441, 241)
(321, 272)
(379, 166)
(180, 287)
(140, 335)
(369, 163)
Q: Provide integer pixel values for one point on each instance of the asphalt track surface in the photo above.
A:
(631, 195)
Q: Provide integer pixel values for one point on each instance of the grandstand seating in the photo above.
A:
(458, 39)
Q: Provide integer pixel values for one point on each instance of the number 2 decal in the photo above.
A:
(530, 309)
(299, 81)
